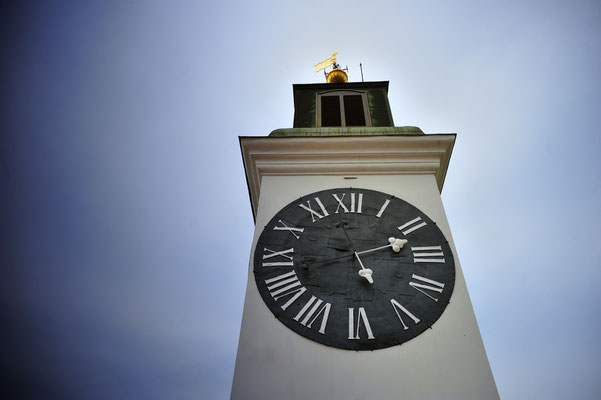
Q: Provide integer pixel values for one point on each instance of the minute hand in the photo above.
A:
(396, 244)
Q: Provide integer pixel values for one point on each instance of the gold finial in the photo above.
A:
(336, 75)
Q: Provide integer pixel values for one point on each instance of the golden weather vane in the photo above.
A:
(326, 63)
(336, 75)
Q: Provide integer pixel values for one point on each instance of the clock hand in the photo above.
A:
(342, 223)
(396, 244)
(365, 272)
(306, 264)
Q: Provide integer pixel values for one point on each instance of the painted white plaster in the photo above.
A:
(344, 155)
(446, 362)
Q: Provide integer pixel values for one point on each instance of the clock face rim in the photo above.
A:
(306, 218)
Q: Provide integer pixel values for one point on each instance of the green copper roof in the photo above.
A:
(351, 131)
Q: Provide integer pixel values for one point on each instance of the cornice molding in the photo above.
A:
(344, 155)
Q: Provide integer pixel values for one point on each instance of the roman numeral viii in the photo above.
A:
(285, 285)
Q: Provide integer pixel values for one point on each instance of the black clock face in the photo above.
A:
(354, 268)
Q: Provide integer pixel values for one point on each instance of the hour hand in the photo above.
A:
(339, 244)
(365, 272)
(396, 244)
(310, 260)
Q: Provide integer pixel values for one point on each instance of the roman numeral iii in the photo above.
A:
(428, 254)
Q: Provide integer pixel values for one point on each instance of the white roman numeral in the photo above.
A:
(291, 229)
(379, 214)
(340, 203)
(428, 284)
(325, 309)
(285, 285)
(283, 253)
(428, 254)
(412, 225)
(396, 306)
(315, 213)
(361, 315)
(358, 203)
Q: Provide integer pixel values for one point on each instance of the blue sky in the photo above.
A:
(125, 213)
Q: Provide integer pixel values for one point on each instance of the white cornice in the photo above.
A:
(344, 155)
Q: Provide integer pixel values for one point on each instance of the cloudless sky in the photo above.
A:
(125, 219)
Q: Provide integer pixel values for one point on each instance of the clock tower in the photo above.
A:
(355, 290)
